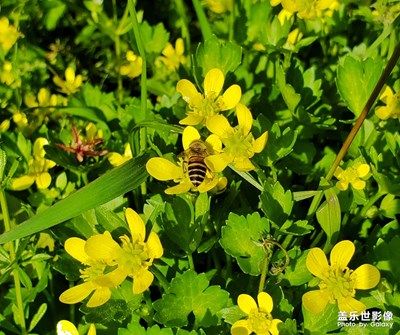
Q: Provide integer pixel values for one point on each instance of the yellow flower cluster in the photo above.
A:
(226, 145)
(108, 264)
(8, 35)
(37, 169)
(308, 9)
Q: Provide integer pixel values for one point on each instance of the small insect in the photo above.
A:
(194, 164)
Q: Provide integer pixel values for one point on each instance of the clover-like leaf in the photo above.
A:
(239, 239)
(190, 293)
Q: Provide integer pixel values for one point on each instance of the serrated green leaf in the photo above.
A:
(154, 38)
(215, 54)
(112, 184)
(190, 293)
(277, 204)
(356, 80)
(328, 216)
(239, 237)
(137, 329)
(323, 322)
(296, 273)
(289, 95)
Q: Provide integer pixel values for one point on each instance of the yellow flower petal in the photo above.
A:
(260, 143)
(38, 150)
(92, 329)
(163, 169)
(218, 163)
(183, 187)
(115, 158)
(77, 293)
(359, 184)
(136, 225)
(383, 112)
(365, 277)
(341, 254)
(65, 327)
(317, 263)
(265, 302)
(189, 135)
(315, 301)
(274, 327)
(349, 304)
(388, 92)
(43, 180)
(22, 183)
(187, 89)
(219, 125)
(100, 296)
(245, 119)
(214, 81)
(102, 247)
(142, 281)
(191, 120)
(76, 248)
(154, 246)
(70, 75)
(214, 142)
(342, 185)
(363, 170)
(231, 97)
(207, 185)
(246, 303)
(241, 327)
(243, 164)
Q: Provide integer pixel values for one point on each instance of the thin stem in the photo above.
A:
(204, 25)
(191, 263)
(184, 27)
(161, 278)
(17, 283)
(264, 270)
(378, 87)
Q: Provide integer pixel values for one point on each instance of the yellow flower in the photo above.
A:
(117, 159)
(308, 9)
(65, 327)
(163, 169)
(8, 76)
(37, 167)
(98, 255)
(338, 283)
(133, 68)
(220, 6)
(174, 57)
(71, 83)
(8, 34)
(392, 108)
(239, 144)
(259, 320)
(44, 99)
(136, 256)
(203, 106)
(352, 176)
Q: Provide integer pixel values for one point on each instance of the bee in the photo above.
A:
(194, 164)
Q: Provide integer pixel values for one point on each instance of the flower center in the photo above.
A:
(97, 272)
(209, 105)
(238, 145)
(350, 175)
(339, 283)
(260, 322)
(133, 256)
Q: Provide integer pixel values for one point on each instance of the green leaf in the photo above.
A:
(297, 228)
(190, 293)
(356, 80)
(213, 53)
(37, 316)
(137, 329)
(328, 216)
(387, 256)
(55, 12)
(289, 95)
(239, 238)
(296, 273)
(390, 206)
(323, 322)
(112, 184)
(277, 204)
(154, 38)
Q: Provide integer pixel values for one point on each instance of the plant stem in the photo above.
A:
(204, 26)
(184, 27)
(17, 283)
(378, 87)
(191, 263)
(265, 264)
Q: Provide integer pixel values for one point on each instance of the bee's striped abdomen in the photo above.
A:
(197, 170)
